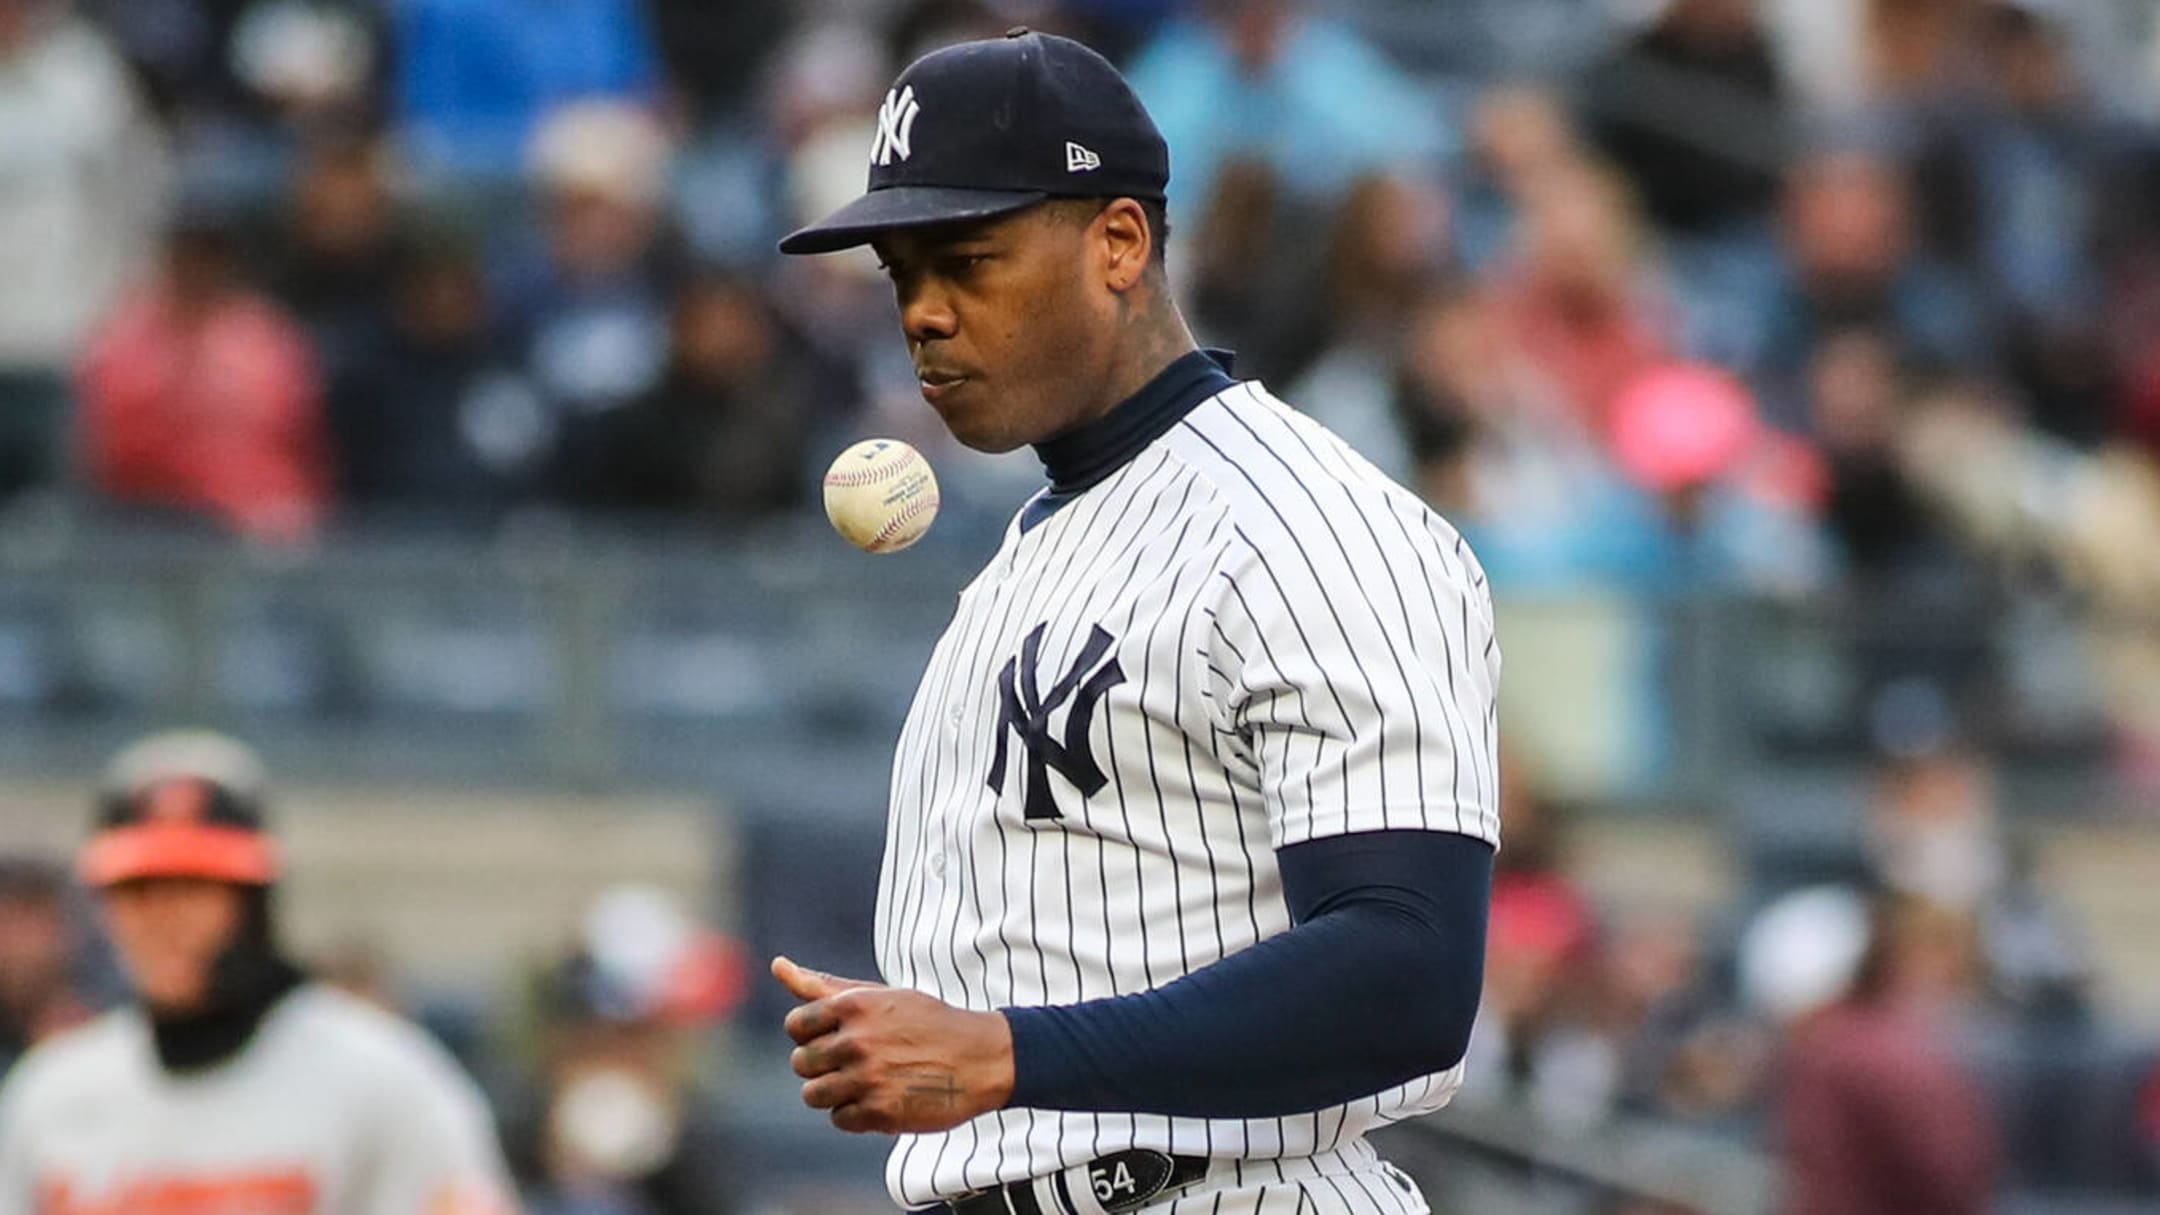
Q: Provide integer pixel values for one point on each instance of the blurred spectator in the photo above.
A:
(1877, 516)
(2018, 499)
(1540, 931)
(2013, 191)
(37, 992)
(338, 249)
(716, 52)
(623, 1126)
(1692, 109)
(313, 62)
(1798, 953)
(1260, 286)
(1117, 28)
(587, 309)
(182, 51)
(431, 417)
(1267, 81)
(474, 78)
(201, 396)
(1247, 265)
(1390, 237)
(1730, 494)
(1876, 1112)
(1932, 825)
(1480, 432)
(919, 27)
(81, 187)
(1520, 135)
(722, 434)
(1851, 264)
(1934, 834)
(1685, 1051)
(1577, 295)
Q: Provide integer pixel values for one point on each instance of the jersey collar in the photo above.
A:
(1082, 457)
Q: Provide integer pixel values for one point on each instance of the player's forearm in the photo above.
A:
(1376, 984)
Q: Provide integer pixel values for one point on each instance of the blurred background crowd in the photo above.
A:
(412, 386)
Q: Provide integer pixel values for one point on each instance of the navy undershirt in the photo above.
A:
(1080, 458)
(1375, 983)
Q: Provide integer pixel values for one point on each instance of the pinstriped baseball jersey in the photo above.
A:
(1244, 638)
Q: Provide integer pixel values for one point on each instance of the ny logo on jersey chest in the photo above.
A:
(1024, 710)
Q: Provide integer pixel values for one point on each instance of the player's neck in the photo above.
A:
(1152, 334)
(1088, 453)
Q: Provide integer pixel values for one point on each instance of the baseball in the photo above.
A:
(881, 495)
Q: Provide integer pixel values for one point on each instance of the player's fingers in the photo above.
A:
(857, 1118)
(802, 983)
(812, 1021)
(807, 984)
(834, 1090)
(827, 1054)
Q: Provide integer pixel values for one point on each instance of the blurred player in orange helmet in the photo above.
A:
(232, 1084)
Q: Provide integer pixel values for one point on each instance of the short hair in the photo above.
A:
(1084, 210)
(1158, 222)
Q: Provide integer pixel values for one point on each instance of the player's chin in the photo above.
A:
(975, 428)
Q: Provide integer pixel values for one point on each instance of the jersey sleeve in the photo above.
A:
(435, 1150)
(1356, 671)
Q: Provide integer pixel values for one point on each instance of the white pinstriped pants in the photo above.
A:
(1351, 1180)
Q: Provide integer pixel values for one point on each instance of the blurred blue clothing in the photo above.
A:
(1328, 110)
(2033, 182)
(1930, 313)
(475, 77)
(1611, 535)
(591, 342)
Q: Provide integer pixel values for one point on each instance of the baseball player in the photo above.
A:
(233, 1085)
(1192, 818)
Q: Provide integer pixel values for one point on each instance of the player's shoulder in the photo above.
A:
(370, 1043)
(1282, 475)
(88, 1057)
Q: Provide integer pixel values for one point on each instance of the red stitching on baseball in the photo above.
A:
(864, 476)
(918, 506)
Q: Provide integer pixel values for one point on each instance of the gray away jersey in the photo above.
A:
(1245, 638)
(333, 1108)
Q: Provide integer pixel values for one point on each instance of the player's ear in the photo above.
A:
(1125, 243)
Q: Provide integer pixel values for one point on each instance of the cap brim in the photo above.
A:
(896, 207)
(197, 850)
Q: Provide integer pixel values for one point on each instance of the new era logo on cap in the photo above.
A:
(895, 127)
(1079, 159)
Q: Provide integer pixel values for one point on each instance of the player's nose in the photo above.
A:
(927, 315)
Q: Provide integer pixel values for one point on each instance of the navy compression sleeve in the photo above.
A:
(1376, 983)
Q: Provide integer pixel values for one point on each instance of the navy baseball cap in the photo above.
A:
(984, 128)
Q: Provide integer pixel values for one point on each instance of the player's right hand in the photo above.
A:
(890, 1060)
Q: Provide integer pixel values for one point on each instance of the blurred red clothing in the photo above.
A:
(1587, 346)
(216, 410)
(1879, 1118)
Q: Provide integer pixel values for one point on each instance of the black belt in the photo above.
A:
(1112, 1184)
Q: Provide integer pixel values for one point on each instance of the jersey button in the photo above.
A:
(937, 865)
(955, 715)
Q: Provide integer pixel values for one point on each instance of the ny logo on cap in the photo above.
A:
(895, 126)
(1079, 159)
